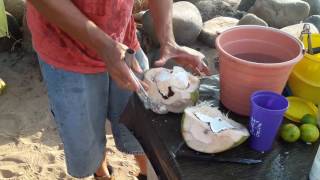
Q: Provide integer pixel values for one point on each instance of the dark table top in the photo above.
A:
(160, 136)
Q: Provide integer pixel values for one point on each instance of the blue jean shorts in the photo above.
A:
(80, 104)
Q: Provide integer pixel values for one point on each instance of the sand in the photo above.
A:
(30, 147)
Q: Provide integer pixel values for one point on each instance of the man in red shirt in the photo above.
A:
(81, 46)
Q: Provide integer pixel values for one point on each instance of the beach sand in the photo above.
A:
(30, 147)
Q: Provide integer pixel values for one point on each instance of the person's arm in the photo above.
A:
(65, 15)
(161, 11)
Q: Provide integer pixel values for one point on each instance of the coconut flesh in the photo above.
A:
(173, 89)
(206, 129)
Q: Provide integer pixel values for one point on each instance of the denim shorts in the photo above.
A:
(80, 104)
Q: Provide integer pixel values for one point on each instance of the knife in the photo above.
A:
(142, 93)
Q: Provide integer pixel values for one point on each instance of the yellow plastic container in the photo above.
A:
(304, 81)
(299, 107)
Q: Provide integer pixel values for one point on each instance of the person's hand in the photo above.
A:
(184, 56)
(119, 70)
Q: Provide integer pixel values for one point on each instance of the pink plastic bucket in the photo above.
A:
(254, 58)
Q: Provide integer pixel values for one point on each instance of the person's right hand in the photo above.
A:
(118, 69)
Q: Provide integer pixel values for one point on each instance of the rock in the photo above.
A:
(245, 5)
(213, 27)
(296, 29)
(186, 20)
(233, 3)
(280, 14)
(314, 7)
(213, 8)
(315, 20)
(16, 8)
(251, 19)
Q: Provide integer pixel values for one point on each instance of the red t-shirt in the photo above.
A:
(58, 49)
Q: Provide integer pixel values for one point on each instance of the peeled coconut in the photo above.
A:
(206, 129)
(173, 89)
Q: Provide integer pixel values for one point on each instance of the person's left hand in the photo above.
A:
(184, 56)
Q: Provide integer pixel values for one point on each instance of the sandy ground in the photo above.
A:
(30, 147)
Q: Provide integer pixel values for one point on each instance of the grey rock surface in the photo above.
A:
(281, 13)
(251, 19)
(314, 7)
(315, 20)
(212, 28)
(186, 19)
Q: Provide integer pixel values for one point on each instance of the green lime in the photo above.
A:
(309, 133)
(309, 119)
(290, 132)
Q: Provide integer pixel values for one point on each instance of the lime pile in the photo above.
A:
(308, 132)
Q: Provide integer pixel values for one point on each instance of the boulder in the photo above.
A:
(213, 8)
(280, 14)
(315, 20)
(171, 90)
(314, 7)
(207, 130)
(251, 19)
(186, 20)
(245, 5)
(233, 3)
(212, 28)
(16, 8)
(296, 29)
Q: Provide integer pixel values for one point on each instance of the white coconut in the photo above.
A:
(174, 89)
(199, 136)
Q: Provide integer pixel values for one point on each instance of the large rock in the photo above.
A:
(281, 13)
(251, 19)
(245, 5)
(212, 8)
(314, 7)
(233, 3)
(296, 29)
(315, 20)
(186, 19)
(212, 28)
(16, 8)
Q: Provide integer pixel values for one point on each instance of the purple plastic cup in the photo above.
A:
(267, 110)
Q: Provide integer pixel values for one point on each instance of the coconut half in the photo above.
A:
(173, 89)
(206, 129)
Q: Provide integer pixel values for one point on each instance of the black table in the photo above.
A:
(160, 137)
